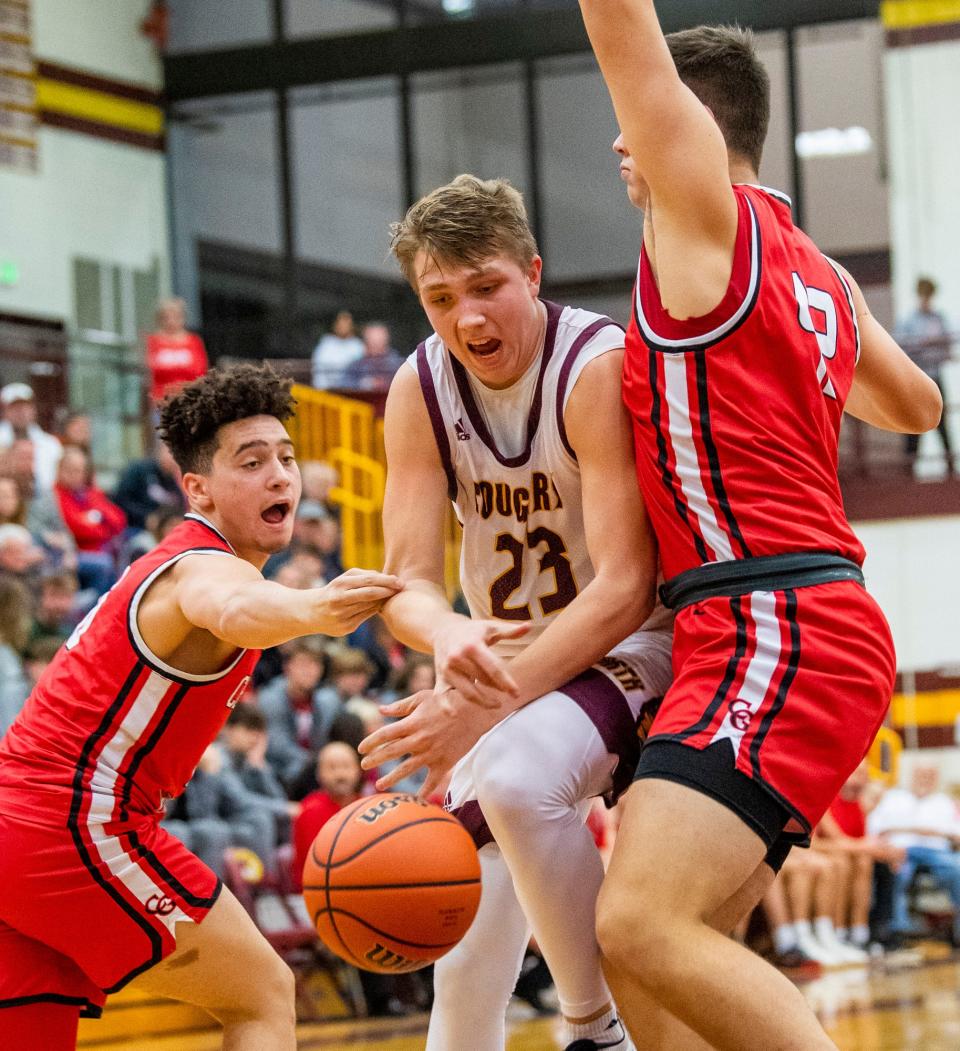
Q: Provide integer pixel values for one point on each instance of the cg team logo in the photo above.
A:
(160, 905)
(740, 715)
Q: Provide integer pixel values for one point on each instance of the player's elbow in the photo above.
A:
(631, 596)
(927, 408)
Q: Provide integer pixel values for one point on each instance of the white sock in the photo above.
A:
(843, 933)
(860, 935)
(824, 931)
(589, 1030)
(474, 981)
(803, 928)
(784, 939)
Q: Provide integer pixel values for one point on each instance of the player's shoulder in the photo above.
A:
(576, 320)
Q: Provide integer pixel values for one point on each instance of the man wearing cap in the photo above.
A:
(20, 422)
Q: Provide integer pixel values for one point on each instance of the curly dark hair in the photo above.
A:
(190, 420)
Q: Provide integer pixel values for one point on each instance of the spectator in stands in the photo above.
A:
(43, 517)
(923, 821)
(20, 557)
(801, 905)
(299, 714)
(245, 735)
(94, 520)
(38, 656)
(379, 363)
(13, 507)
(335, 351)
(340, 779)
(75, 430)
(20, 423)
(14, 631)
(216, 812)
(319, 478)
(843, 832)
(175, 355)
(148, 485)
(925, 335)
(56, 611)
(350, 673)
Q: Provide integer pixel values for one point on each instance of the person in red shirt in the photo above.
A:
(175, 356)
(340, 779)
(94, 520)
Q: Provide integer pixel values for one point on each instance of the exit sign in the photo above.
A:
(9, 273)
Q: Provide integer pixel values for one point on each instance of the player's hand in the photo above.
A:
(435, 730)
(351, 598)
(464, 659)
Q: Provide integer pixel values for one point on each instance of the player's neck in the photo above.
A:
(742, 171)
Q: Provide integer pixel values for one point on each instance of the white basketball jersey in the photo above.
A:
(524, 554)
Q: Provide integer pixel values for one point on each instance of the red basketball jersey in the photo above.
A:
(110, 730)
(737, 414)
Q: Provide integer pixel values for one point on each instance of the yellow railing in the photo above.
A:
(349, 435)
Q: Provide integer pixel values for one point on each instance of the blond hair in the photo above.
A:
(463, 224)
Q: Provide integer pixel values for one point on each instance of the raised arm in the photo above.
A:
(676, 147)
(415, 507)
(889, 390)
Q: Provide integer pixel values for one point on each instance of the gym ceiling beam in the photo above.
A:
(521, 34)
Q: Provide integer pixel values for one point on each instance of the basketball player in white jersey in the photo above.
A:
(512, 410)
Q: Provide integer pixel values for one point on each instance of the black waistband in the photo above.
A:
(768, 573)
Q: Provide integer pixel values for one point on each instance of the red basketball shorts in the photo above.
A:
(778, 690)
(84, 909)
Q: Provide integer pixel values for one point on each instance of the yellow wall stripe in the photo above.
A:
(89, 104)
(911, 14)
(930, 708)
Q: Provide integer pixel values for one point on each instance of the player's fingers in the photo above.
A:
(398, 709)
(466, 686)
(381, 736)
(398, 773)
(432, 783)
(491, 672)
(360, 578)
(383, 754)
(515, 632)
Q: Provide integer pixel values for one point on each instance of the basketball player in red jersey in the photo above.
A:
(745, 347)
(93, 892)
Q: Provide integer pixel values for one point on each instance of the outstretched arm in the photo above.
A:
(677, 148)
(229, 598)
(889, 390)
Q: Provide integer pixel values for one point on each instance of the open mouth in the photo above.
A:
(484, 348)
(276, 513)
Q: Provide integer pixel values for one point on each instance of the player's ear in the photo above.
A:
(198, 491)
(534, 273)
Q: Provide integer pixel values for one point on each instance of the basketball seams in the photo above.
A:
(388, 834)
(387, 935)
(397, 886)
(348, 813)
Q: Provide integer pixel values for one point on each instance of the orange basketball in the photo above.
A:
(392, 883)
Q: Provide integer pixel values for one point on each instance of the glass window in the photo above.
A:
(196, 25)
(473, 120)
(346, 165)
(223, 172)
(310, 18)
(841, 102)
(590, 227)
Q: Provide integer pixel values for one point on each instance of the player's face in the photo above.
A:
(637, 189)
(252, 489)
(489, 316)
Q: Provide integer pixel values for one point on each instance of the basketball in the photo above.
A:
(392, 883)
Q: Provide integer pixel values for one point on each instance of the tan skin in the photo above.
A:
(195, 617)
(664, 884)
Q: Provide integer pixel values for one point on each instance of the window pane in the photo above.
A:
(327, 17)
(196, 25)
(840, 88)
(469, 121)
(591, 229)
(346, 157)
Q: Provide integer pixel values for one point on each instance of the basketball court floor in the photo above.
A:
(913, 1005)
